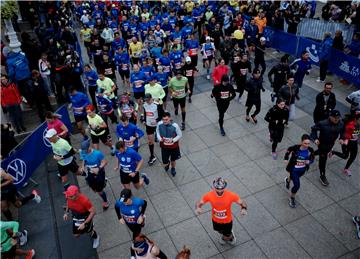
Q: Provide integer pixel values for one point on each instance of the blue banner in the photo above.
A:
(280, 40)
(345, 66)
(312, 47)
(25, 159)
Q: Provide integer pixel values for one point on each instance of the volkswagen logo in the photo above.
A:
(17, 169)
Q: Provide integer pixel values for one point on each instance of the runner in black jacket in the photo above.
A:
(223, 94)
(277, 117)
(253, 87)
(280, 72)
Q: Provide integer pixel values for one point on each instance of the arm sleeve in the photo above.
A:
(178, 133)
(143, 207)
(70, 153)
(157, 132)
(117, 210)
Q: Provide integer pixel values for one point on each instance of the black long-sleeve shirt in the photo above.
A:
(223, 93)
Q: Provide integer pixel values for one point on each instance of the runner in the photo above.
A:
(135, 48)
(192, 47)
(146, 248)
(138, 80)
(223, 93)
(325, 103)
(350, 145)
(208, 52)
(128, 108)
(129, 133)
(9, 195)
(53, 122)
(280, 72)
(130, 162)
(298, 158)
(105, 106)
(91, 77)
(189, 71)
(82, 212)
(93, 164)
(221, 200)
(109, 87)
(163, 79)
(152, 115)
(98, 130)
(155, 90)
(354, 100)
(122, 62)
(219, 71)
(169, 134)
(242, 68)
(330, 130)
(64, 155)
(253, 87)
(289, 93)
(79, 101)
(277, 117)
(259, 55)
(301, 67)
(9, 240)
(179, 87)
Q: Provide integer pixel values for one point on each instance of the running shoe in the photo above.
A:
(30, 254)
(173, 171)
(183, 126)
(145, 177)
(96, 242)
(254, 119)
(287, 183)
(247, 118)
(37, 197)
(272, 97)
(105, 205)
(233, 240)
(222, 132)
(58, 175)
(347, 172)
(274, 155)
(324, 181)
(319, 80)
(23, 237)
(190, 100)
(221, 240)
(292, 202)
(152, 160)
(356, 221)
(167, 167)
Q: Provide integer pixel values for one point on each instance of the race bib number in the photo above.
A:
(209, 53)
(124, 66)
(129, 219)
(220, 214)
(243, 71)
(224, 95)
(177, 65)
(189, 73)
(166, 69)
(129, 143)
(179, 92)
(78, 110)
(138, 84)
(168, 141)
(300, 163)
(78, 222)
(125, 168)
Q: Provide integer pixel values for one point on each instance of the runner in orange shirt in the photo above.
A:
(221, 200)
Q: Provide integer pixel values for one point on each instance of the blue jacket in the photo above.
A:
(325, 48)
(354, 48)
(91, 74)
(18, 66)
(127, 132)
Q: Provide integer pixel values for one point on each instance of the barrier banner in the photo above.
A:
(345, 66)
(310, 46)
(280, 40)
(25, 159)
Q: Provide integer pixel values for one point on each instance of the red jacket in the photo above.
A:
(10, 95)
(218, 72)
(350, 130)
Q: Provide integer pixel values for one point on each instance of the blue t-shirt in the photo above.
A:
(128, 160)
(127, 132)
(130, 213)
(138, 81)
(300, 164)
(104, 103)
(93, 75)
(93, 159)
(162, 78)
(79, 101)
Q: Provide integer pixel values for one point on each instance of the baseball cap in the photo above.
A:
(335, 113)
(188, 59)
(160, 67)
(50, 133)
(125, 195)
(71, 191)
(147, 96)
(262, 39)
(207, 38)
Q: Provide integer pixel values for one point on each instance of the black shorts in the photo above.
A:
(171, 154)
(223, 228)
(80, 118)
(9, 193)
(97, 183)
(181, 101)
(87, 44)
(9, 254)
(124, 74)
(135, 229)
(64, 169)
(210, 58)
(139, 95)
(150, 130)
(105, 137)
(126, 179)
(88, 228)
(166, 90)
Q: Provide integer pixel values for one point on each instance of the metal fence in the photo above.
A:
(315, 29)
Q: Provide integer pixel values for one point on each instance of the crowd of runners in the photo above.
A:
(158, 49)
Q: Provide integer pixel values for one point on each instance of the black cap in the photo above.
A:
(335, 113)
(125, 195)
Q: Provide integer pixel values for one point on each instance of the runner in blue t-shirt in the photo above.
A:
(130, 163)
(79, 101)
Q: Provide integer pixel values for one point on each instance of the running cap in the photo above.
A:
(160, 67)
(188, 59)
(85, 144)
(140, 244)
(219, 183)
(50, 133)
(207, 38)
(335, 113)
(262, 39)
(147, 96)
(71, 191)
(125, 195)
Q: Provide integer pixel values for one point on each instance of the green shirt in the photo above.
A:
(95, 123)
(156, 91)
(178, 87)
(60, 148)
(107, 85)
(5, 238)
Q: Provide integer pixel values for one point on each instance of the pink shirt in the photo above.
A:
(56, 125)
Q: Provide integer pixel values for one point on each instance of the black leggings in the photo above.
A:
(257, 111)
(191, 85)
(222, 108)
(348, 151)
(262, 64)
(240, 84)
(323, 155)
